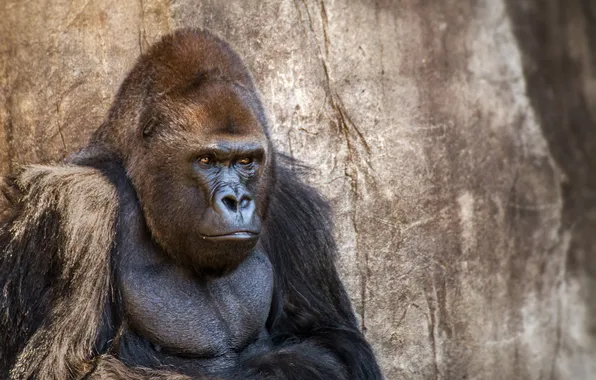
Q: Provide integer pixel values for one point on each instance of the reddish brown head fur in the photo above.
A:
(177, 66)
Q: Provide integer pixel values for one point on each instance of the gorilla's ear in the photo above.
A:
(149, 124)
(150, 120)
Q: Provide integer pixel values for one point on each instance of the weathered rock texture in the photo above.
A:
(456, 140)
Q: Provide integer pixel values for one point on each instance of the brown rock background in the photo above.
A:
(456, 140)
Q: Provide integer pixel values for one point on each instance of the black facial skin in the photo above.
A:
(230, 174)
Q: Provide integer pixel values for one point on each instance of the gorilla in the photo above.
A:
(177, 244)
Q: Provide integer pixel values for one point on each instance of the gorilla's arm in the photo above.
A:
(110, 368)
(314, 325)
(56, 232)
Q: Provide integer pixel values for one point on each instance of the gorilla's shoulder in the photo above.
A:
(81, 189)
(81, 199)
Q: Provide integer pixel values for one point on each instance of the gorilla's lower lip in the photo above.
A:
(239, 235)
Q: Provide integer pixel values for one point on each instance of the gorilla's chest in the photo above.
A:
(200, 318)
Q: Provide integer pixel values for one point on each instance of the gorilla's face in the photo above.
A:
(202, 175)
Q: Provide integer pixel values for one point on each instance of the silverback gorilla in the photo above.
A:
(177, 244)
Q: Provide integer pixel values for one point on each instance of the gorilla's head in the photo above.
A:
(191, 132)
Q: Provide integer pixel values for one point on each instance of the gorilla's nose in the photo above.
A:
(231, 202)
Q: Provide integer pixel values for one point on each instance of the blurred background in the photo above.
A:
(456, 140)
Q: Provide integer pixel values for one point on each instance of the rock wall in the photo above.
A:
(455, 139)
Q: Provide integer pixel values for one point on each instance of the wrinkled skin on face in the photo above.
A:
(201, 174)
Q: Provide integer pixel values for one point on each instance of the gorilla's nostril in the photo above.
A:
(230, 202)
(244, 202)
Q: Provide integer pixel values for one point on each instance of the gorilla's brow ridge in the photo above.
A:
(226, 150)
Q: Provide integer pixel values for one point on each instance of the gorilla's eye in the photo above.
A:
(205, 160)
(245, 161)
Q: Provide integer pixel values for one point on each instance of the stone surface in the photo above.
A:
(455, 139)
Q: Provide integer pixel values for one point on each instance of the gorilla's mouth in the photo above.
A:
(233, 236)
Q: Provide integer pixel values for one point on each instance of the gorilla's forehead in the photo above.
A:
(218, 108)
